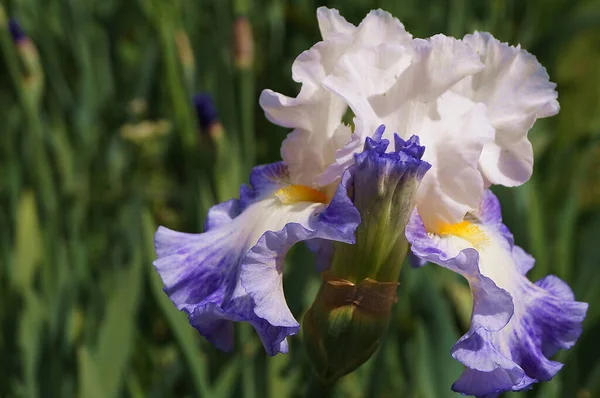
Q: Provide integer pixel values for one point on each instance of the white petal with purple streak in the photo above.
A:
(516, 324)
(215, 276)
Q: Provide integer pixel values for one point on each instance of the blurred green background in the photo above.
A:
(99, 144)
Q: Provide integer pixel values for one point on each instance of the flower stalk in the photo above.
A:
(243, 58)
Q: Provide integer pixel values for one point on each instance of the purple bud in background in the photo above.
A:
(17, 33)
(205, 110)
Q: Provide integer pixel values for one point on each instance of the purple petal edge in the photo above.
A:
(203, 273)
(499, 354)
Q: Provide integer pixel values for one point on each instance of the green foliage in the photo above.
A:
(99, 145)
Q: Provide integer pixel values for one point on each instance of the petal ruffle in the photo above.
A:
(201, 272)
(517, 90)
(454, 186)
(502, 352)
(261, 272)
(316, 113)
(401, 87)
(377, 27)
(389, 82)
(332, 24)
(494, 307)
(221, 214)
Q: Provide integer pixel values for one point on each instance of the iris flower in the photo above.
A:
(471, 103)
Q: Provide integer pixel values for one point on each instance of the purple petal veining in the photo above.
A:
(232, 272)
(516, 324)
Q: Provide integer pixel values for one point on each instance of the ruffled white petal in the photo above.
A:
(402, 87)
(471, 102)
(332, 24)
(311, 146)
(361, 75)
(437, 63)
(316, 114)
(517, 90)
(377, 27)
(454, 185)
(509, 165)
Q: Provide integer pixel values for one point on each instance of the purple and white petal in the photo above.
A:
(493, 307)
(262, 269)
(516, 324)
(202, 272)
(222, 213)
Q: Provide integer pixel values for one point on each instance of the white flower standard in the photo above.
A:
(470, 101)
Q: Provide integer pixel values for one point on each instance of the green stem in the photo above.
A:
(567, 219)
(537, 229)
(184, 335)
(456, 22)
(248, 371)
(241, 7)
(179, 96)
(246, 77)
(37, 153)
(317, 389)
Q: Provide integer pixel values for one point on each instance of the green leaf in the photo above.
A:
(28, 251)
(424, 366)
(282, 378)
(90, 377)
(435, 335)
(224, 385)
(551, 389)
(115, 336)
(185, 335)
(30, 328)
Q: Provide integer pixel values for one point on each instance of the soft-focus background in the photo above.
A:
(100, 143)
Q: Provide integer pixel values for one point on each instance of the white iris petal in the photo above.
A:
(471, 102)
(516, 89)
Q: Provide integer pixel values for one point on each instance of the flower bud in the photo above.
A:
(16, 32)
(208, 117)
(344, 326)
(243, 43)
(382, 189)
(33, 79)
(351, 313)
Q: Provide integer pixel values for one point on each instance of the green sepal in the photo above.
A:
(345, 324)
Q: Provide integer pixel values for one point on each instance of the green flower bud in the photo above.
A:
(344, 326)
(352, 310)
